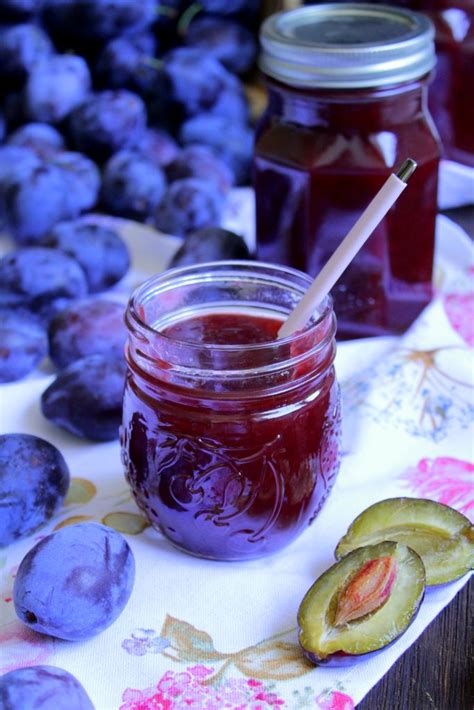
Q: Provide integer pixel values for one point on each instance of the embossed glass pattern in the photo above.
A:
(230, 450)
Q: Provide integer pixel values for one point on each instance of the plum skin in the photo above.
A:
(86, 397)
(75, 583)
(42, 688)
(100, 251)
(87, 328)
(210, 244)
(23, 343)
(34, 480)
(39, 277)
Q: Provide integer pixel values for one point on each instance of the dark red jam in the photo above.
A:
(232, 467)
(322, 154)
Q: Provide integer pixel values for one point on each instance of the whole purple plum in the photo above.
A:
(158, 146)
(55, 87)
(41, 138)
(35, 202)
(16, 164)
(211, 244)
(195, 79)
(229, 42)
(37, 278)
(107, 122)
(133, 185)
(127, 63)
(187, 205)
(200, 161)
(86, 397)
(34, 480)
(21, 48)
(87, 328)
(232, 141)
(42, 688)
(82, 178)
(75, 583)
(100, 251)
(24, 342)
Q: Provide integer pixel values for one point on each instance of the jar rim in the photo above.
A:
(347, 45)
(180, 274)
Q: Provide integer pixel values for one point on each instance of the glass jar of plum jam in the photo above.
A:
(347, 88)
(230, 437)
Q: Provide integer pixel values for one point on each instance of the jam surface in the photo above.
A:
(230, 478)
(225, 329)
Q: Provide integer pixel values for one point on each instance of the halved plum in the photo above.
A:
(442, 537)
(362, 603)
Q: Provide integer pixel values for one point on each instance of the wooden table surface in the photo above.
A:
(437, 672)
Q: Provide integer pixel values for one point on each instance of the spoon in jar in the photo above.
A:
(346, 251)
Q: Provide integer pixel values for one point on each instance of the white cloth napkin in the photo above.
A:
(209, 635)
(455, 186)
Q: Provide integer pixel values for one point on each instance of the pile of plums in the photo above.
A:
(134, 107)
(126, 107)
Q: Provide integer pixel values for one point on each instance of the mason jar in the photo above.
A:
(230, 436)
(347, 87)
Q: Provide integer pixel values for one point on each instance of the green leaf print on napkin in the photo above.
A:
(130, 523)
(270, 659)
(80, 491)
(189, 643)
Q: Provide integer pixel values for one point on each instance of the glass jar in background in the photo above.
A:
(230, 438)
(347, 88)
(451, 95)
(451, 92)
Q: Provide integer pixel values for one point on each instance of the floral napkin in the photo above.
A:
(211, 635)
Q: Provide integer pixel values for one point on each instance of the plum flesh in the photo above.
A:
(443, 537)
(362, 603)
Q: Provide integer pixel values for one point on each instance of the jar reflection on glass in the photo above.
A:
(230, 438)
(329, 139)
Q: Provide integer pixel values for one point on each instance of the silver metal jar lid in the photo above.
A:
(347, 45)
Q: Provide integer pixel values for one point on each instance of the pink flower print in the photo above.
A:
(185, 690)
(446, 480)
(459, 308)
(200, 671)
(147, 699)
(334, 700)
(22, 647)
